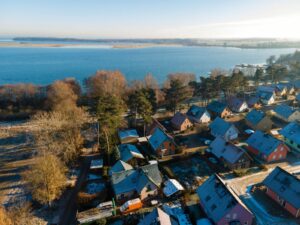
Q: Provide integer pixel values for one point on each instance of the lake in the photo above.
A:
(44, 65)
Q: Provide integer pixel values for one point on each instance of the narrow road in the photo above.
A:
(68, 216)
(240, 187)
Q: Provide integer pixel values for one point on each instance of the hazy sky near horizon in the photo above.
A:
(150, 18)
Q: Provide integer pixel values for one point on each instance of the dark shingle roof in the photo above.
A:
(178, 119)
(217, 107)
(196, 112)
(217, 198)
(285, 185)
(130, 180)
(255, 116)
(264, 143)
(219, 126)
(291, 132)
(158, 137)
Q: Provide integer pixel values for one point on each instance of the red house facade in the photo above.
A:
(283, 188)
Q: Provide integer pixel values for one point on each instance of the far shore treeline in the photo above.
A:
(20, 101)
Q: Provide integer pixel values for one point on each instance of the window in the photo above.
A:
(213, 207)
(207, 198)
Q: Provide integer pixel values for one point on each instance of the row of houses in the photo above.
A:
(223, 206)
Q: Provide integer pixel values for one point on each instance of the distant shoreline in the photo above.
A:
(254, 43)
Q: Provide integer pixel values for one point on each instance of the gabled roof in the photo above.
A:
(178, 119)
(297, 84)
(135, 180)
(220, 126)
(255, 116)
(285, 185)
(236, 103)
(172, 186)
(128, 133)
(270, 89)
(158, 138)
(262, 142)
(291, 132)
(217, 198)
(284, 111)
(156, 217)
(265, 95)
(252, 101)
(129, 151)
(216, 106)
(196, 112)
(228, 151)
(120, 166)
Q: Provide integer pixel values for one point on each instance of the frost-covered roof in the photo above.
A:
(220, 126)
(222, 149)
(120, 166)
(158, 138)
(284, 111)
(128, 133)
(285, 185)
(262, 142)
(291, 132)
(172, 186)
(129, 151)
(196, 112)
(255, 116)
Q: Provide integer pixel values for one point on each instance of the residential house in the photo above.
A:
(162, 143)
(142, 183)
(221, 204)
(287, 113)
(297, 85)
(155, 124)
(291, 136)
(258, 120)
(253, 102)
(267, 98)
(298, 98)
(218, 109)
(266, 147)
(171, 187)
(130, 154)
(128, 136)
(237, 105)
(181, 122)
(120, 166)
(231, 155)
(224, 129)
(283, 188)
(198, 114)
(156, 217)
(280, 89)
(288, 86)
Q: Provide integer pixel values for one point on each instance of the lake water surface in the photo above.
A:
(44, 65)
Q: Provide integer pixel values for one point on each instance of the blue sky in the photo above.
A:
(150, 18)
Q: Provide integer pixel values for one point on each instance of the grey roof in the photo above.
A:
(298, 97)
(129, 151)
(284, 111)
(196, 112)
(266, 89)
(297, 84)
(120, 166)
(216, 106)
(135, 180)
(220, 126)
(217, 198)
(178, 119)
(228, 151)
(291, 132)
(262, 142)
(158, 138)
(127, 133)
(255, 116)
(285, 185)
(156, 217)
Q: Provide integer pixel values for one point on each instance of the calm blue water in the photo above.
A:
(44, 65)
